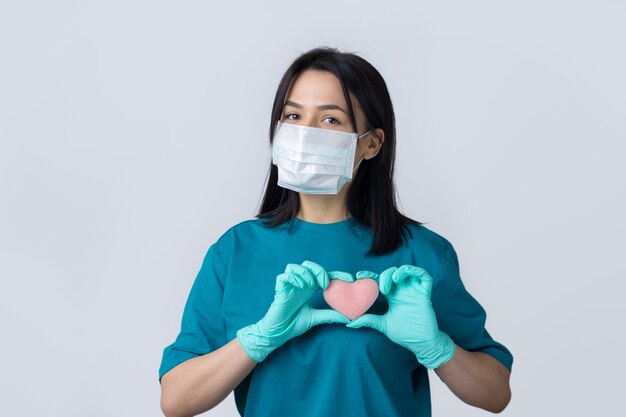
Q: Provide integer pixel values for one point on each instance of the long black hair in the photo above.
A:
(371, 198)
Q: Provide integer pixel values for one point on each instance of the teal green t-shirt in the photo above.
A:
(330, 370)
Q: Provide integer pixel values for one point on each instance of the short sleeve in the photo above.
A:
(202, 327)
(460, 315)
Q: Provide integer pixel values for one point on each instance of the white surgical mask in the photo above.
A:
(313, 160)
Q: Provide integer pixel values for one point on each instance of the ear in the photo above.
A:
(380, 135)
(374, 142)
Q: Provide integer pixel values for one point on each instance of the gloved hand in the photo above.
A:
(290, 314)
(410, 321)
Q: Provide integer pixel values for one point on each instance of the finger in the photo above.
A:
(318, 272)
(324, 316)
(303, 273)
(418, 277)
(417, 271)
(373, 321)
(344, 276)
(286, 279)
(385, 280)
(427, 282)
(400, 274)
(367, 274)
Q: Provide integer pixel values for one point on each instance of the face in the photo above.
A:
(315, 99)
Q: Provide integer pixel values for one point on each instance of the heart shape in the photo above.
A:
(352, 299)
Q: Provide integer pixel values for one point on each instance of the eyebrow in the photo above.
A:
(321, 107)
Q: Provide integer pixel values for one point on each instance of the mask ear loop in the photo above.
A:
(369, 131)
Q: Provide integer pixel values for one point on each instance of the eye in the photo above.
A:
(290, 114)
(330, 117)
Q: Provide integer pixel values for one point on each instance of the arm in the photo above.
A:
(200, 383)
(478, 379)
(475, 377)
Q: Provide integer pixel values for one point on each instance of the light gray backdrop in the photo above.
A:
(134, 133)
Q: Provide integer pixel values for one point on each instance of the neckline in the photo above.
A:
(341, 225)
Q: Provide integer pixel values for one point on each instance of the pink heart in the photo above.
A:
(351, 299)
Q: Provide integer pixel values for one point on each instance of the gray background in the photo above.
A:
(134, 133)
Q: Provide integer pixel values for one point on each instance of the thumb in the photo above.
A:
(373, 321)
(323, 316)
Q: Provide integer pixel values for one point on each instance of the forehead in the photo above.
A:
(315, 86)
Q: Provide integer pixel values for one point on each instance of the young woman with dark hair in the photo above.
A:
(258, 319)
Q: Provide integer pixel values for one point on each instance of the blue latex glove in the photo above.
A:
(290, 314)
(410, 321)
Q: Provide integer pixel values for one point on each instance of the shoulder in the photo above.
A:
(220, 252)
(425, 237)
(242, 230)
(426, 243)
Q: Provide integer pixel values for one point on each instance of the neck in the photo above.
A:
(324, 208)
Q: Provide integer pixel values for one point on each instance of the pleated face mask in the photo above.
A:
(313, 160)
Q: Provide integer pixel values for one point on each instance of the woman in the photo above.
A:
(256, 319)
